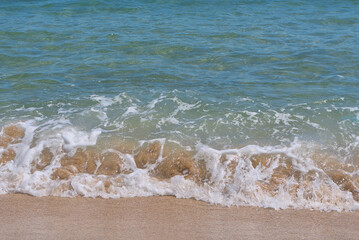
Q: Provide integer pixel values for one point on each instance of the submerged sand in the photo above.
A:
(114, 167)
(27, 217)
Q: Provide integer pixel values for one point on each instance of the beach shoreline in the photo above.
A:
(26, 217)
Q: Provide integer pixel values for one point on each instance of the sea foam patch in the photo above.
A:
(78, 163)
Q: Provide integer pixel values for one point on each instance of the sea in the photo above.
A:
(237, 103)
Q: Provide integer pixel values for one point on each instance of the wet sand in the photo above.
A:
(27, 217)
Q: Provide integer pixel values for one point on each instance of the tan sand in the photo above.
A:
(26, 217)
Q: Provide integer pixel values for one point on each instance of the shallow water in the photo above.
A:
(237, 103)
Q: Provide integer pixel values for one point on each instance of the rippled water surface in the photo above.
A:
(221, 82)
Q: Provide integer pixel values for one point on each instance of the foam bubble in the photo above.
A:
(73, 138)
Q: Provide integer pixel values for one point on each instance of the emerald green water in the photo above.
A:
(221, 73)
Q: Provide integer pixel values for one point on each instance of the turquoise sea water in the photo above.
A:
(224, 74)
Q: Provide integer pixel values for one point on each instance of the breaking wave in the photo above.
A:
(69, 162)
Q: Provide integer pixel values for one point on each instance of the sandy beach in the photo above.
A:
(27, 217)
(231, 103)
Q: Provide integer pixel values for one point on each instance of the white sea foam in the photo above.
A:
(226, 185)
(73, 138)
(130, 110)
(209, 134)
(104, 101)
